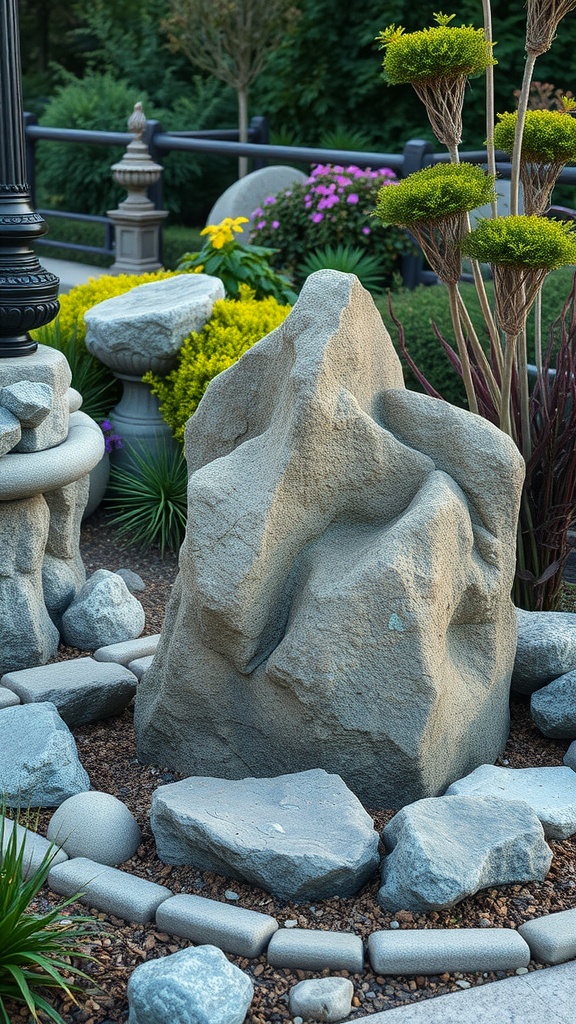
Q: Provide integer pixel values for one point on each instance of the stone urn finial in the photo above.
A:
(136, 171)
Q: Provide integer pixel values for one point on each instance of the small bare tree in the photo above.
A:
(231, 39)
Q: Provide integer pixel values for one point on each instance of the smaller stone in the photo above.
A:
(103, 612)
(208, 922)
(421, 951)
(140, 666)
(309, 949)
(570, 757)
(291, 923)
(74, 400)
(553, 708)
(463, 984)
(193, 986)
(322, 999)
(128, 650)
(95, 825)
(8, 698)
(82, 689)
(31, 402)
(133, 581)
(231, 895)
(39, 765)
(394, 925)
(552, 938)
(109, 889)
(545, 650)
(521, 970)
(10, 431)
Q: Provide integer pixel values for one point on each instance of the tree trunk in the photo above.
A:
(243, 128)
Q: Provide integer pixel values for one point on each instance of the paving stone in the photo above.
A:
(39, 765)
(553, 708)
(299, 836)
(8, 698)
(95, 825)
(546, 648)
(570, 757)
(193, 986)
(129, 650)
(552, 938)
(322, 999)
(439, 950)
(82, 689)
(310, 949)
(233, 929)
(442, 849)
(140, 666)
(550, 792)
(109, 889)
(36, 848)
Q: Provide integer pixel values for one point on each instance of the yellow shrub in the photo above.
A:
(235, 325)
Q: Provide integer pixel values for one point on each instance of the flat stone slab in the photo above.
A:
(300, 836)
(441, 850)
(95, 825)
(539, 996)
(233, 929)
(130, 650)
(140, 666)
(552, 939)
(36, 848)
(325, 999)
(39, 766)
(310, 949)
(553, 708)
(193, 986)
(439, 950)
(108, 889)
(550, 792)
(82, 689)
(546, 648)
(8, 699)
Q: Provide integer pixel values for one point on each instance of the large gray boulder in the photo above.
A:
(343, 598)
(194, 986)
(39, 765)
(553, 708)
(550, 792)
(439, 851)
(546, 648)
(302, 836)
(103, 612)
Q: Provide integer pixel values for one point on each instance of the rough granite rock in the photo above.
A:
(194, 986)
(39, 766)
(30, 402)
(10, 431)
(570, 756)
(301, 836)
(343, 599)
(443, 849)
(63, 572)
(48, 367)
(322, 999)
(553, 708)
(103, 612)
(550, 792)
(546, 648)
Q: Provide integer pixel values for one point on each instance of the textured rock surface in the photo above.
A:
(250, 192)
(27, 634)
(552, 939)
(554, 708)
(39, 766)
(233, 929)
(162, 311)
(546, 648)
(343, 595)
(441, 850)
(104, 612)
(436, 950)
(29, 473)
(550, 792)
(95, 825)
(30, 402)
(570, 756)
(194, 986)
(63, 572)
(49, 367)
(82, 689)
(322, 999)
(302, 836)
(10, 431)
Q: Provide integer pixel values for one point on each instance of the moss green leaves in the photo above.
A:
(522, 241)
(549, 135)
(435, 193)
(439, 51)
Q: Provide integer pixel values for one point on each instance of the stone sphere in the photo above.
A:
(95, 825)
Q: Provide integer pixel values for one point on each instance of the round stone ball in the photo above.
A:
(95, 825)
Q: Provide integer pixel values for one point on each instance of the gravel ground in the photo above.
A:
(107, 751)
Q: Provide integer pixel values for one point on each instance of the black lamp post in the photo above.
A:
(28, 292)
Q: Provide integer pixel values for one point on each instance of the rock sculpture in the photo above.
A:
(343, 599)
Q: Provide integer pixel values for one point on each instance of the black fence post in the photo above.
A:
(418, 153)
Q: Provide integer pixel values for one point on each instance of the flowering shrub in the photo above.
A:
(236, 264)
(112, 441)
(235, 325)
(335, 205)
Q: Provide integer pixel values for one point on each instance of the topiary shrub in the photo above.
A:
(334, 206)
(235, 325)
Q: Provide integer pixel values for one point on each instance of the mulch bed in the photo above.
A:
(107, 751)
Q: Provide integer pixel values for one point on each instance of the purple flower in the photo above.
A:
(105, 425)
(317, 217)
(261, 224)
(275, 224)
(113, 442)
(269, 200)
(366, 231)
(352, 199)
(258, 212)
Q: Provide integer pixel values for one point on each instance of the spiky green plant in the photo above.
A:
(151, 498)
(348, 259)
(36, 950)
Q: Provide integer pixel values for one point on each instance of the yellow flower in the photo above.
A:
(222, 233)
(199, 269)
